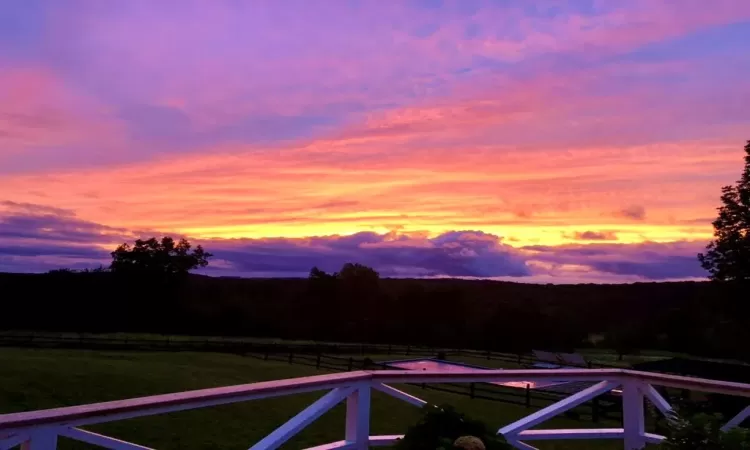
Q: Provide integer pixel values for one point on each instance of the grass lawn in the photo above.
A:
(45, 378)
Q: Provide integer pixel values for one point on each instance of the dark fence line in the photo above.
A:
(524, 359)
(226, 345)
(329, 356)
(602, 408)
(242, 346)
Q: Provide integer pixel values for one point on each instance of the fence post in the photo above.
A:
(528, 395)
(595, 409)
(317, 362)
(389, 349)
(351, 363)
(632, 416)
(471, 390)
(265, 357)
(408, 347)
(291, 355)
(519, 359)
(358, 418)
(488, 355)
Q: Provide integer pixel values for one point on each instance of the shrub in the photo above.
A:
(703, 432)
(441, 426)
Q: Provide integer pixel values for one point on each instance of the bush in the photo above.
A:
(442, 425)
(703, 432)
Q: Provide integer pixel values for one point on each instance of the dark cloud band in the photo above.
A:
(33, 240)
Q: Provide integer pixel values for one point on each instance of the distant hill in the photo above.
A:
(699, 317)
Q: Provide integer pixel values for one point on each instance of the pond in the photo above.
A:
(436, 364)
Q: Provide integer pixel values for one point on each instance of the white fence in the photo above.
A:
(39, 430)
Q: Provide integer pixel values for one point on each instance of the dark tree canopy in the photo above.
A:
(727, 258)
(156, 256)
(351, 271)
(317, 274)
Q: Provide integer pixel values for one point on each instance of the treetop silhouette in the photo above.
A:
(159, 256)
(727, 257)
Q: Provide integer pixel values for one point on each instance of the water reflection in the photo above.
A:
(428, 364)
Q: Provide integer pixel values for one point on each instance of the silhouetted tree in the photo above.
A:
(63, 270)
(317, 274)
(356, 301)
(99, 269)
(727, 258)
(358, 286)
(156, 256)
(359, 273)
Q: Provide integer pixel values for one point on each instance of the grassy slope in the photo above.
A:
(34, 379)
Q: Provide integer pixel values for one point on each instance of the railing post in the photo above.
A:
(528, 395)
(358, 418)
(43, 439)
(633, 420)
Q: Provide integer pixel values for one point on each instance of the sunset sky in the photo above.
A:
(535, 141)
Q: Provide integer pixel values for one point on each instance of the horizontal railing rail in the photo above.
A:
(39, 430)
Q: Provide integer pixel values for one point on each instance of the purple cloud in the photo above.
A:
(34, 239)
(24, 221)
(460, 254)
(666, 267)
(648, 261)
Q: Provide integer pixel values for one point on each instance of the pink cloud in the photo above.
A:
(38, 110)
(213, 51)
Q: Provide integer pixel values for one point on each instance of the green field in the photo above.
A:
(45, 378)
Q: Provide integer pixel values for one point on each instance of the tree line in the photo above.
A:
(356, 306)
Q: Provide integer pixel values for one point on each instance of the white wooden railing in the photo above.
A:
(39, 430)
